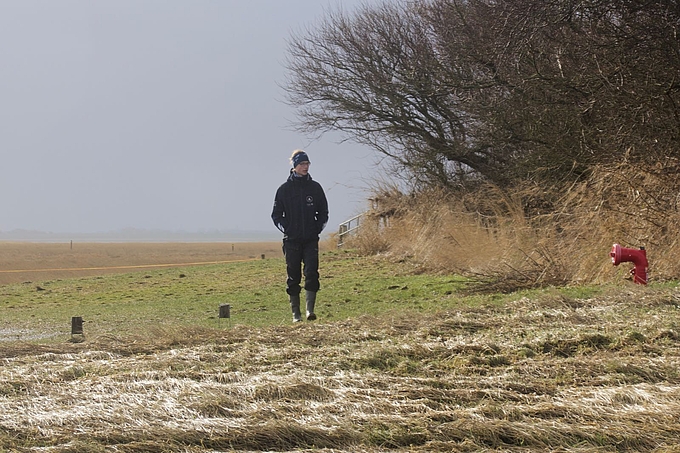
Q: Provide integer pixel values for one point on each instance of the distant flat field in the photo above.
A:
(28, 261)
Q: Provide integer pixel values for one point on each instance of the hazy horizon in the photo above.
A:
(143, 235)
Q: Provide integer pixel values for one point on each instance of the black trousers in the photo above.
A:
(301, 257)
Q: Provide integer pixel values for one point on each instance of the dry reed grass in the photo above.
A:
(535, 236)
(546, 374)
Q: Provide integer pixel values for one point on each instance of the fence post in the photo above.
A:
(225, 312)
(77, 335)
(76, 325)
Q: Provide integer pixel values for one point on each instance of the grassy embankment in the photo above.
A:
(399, 360)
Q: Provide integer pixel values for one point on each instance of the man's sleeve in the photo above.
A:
(278, 214)
(322, 213)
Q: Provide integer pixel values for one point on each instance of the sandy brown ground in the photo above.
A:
(26, 261)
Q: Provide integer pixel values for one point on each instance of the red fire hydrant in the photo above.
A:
(638, 257)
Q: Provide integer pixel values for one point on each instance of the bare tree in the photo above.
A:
(377, 76)
(457, 91)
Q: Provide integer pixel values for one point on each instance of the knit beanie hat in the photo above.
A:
(299, 157)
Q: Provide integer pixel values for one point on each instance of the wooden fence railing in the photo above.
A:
(347, 227)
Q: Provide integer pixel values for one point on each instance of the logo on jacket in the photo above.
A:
(310, 200)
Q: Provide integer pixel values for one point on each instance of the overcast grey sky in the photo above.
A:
(156, 114)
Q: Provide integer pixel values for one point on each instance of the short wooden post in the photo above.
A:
(263, 256)
(77, 335)
(225, 312)
(76, 325)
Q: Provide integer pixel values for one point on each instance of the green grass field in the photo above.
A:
(191, 296)
(399, 360)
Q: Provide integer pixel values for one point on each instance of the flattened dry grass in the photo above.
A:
(548, 372)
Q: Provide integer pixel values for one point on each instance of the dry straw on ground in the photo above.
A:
(535, 236)
(548, 374)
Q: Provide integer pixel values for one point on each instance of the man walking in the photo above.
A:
(301, 213)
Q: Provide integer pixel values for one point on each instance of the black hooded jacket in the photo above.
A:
(300, 208)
